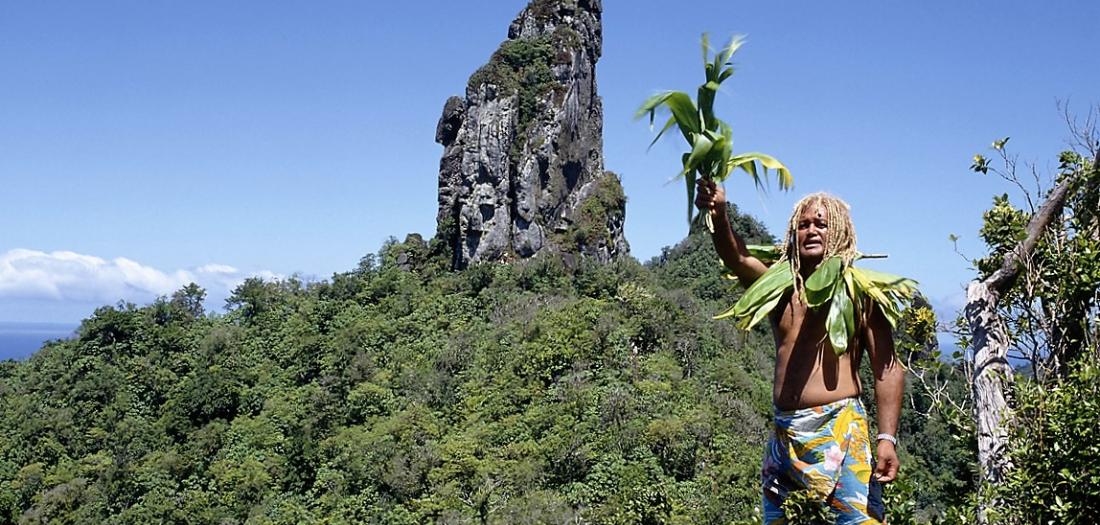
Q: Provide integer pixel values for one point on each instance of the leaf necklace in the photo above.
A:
(841, 286)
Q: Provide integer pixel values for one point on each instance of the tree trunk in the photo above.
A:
(992, 380)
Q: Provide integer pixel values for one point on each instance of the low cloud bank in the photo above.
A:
(74, 277)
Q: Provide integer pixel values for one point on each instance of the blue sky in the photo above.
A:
(145, 144)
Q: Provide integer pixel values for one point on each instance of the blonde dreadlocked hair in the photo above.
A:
(840, 237)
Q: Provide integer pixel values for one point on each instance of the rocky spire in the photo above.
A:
(522, 169)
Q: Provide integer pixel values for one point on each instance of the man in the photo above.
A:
(820, 441)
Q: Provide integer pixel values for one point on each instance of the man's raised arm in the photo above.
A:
(730, 246)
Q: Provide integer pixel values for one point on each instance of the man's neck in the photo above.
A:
(807, 267)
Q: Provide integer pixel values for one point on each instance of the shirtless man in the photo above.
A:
(820, 440)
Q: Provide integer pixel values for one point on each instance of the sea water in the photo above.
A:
(20, 340)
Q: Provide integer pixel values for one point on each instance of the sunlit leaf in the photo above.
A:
(748, 166)
(841, 286)
(766, 253)
(888, 280)
(736, 41)
(769, 163)
(840, 322)
(699, 150)
(775, 281)
(763, 311)
(679, 104)
(822, 283)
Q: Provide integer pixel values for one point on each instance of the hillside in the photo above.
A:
(401, 392)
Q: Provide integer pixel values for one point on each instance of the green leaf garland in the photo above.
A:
(842, 286)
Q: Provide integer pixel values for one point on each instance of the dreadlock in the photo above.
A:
(840, 237)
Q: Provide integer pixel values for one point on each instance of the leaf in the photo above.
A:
(689, 179)
(888, 280)
(724, 74)
(816, 298)
(774, 283)
(736, 41)
(766, 253)
(980, 164)
(717, 166)
(850, 285)
(887, 291)
(706, 48)
(668, 124)
(840, 322)
(713, 134)
(786, 181)
(679, 104)
(778, 277)
(700, 148)
(705, 98)
(890, 311)
(783, 175)
(866, 286)
(853, 293)
(762, 311)
(822, 283)
(694, 118)
(651, 105)
(748, 166)
(847, 311)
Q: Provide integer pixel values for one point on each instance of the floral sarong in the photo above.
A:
(826, 450)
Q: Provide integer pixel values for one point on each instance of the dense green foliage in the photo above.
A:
(1056, 478)
(403, 393)
(590, 226)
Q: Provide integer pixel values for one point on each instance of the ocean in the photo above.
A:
(19, 340)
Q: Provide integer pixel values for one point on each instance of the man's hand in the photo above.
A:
(710, 196)
(886, 470)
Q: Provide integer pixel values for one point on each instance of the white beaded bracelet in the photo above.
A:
(889, 438)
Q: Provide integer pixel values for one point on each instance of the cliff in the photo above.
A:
(522, 170)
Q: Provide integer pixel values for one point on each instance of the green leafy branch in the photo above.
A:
(710, 139)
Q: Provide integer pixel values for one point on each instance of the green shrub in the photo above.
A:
(1055, 447)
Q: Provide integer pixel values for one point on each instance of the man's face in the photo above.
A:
(813, 227)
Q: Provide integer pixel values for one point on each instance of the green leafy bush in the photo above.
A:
(1056, 478)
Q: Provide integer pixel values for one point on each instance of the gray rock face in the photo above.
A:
(522, 168)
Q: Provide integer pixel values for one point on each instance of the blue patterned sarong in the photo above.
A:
(827, 451)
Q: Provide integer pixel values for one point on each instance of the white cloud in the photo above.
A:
(217, 268)
(70, 276)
